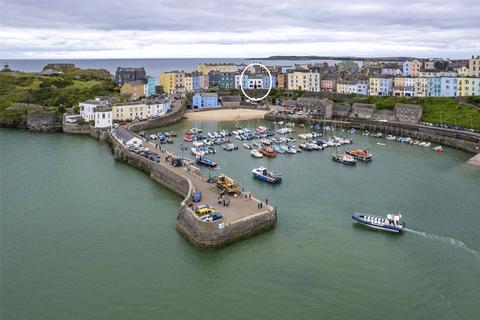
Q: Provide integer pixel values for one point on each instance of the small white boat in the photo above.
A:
(247, 146)
(391, 138)
(381, 144)
(256, 154)
(198, 144)
(427, 144)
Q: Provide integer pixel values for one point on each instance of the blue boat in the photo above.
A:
(206, 162)
(263, 174)
(391, 223)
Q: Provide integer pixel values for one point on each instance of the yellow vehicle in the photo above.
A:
(227, 184)
(203, 210)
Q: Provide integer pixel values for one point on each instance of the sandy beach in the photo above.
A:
(226, 114)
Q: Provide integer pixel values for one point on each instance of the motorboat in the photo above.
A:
(188, 139)
(351, 130)
(439, 149)
(247, 146)
(344, 158)
(266, 142)
(256, 154)
(391, 138)
(278, 149)
(263, 174)
(261, 129)
(268, 152)
(198, 144)
(197, 152)
(360, 154)
(206, 162)
(391, 223)
(228, 147)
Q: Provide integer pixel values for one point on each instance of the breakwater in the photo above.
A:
(214, 234)
(463, 140)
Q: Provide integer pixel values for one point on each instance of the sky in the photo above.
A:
(31, 29)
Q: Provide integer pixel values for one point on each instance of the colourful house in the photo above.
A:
(205, 100)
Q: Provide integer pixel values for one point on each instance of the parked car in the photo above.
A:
(203, 210)
(197, 196)
(216, 216)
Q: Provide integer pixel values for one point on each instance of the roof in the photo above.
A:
(230, 98)
(124, 134)
(315, 102)
(94, 102)
(385, 112)
(103, 109)
(208, 94)
(342, 107)
(364, 106)
(408, 106)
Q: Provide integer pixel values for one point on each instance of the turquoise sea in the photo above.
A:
(86, 237)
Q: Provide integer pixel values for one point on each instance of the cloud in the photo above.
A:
(188, 28)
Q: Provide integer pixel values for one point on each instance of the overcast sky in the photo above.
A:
(240, 28)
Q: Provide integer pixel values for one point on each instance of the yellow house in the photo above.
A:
(133, 89)
(168, 81)
(415, 67)
(468, 86)
(129, 111)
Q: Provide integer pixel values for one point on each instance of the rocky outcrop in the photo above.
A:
(44, 121)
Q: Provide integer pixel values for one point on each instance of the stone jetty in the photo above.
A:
(244, 216)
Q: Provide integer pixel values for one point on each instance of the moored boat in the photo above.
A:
(344, 158)
(360, 154)
(247, 146)
(439, 149)
(206, 162)
(256, 154)
(268, 152)
(263, 174)
(391, 223)
(188, 139)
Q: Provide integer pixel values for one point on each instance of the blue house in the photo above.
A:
(151, 82)
(214, 78)
(227, 80)
(266, 82)
(407, 65)
(448, 87)
(434, 87)
(197, 82)
(205, 100)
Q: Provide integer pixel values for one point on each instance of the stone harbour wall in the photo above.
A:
(201, 234)
(170, 118)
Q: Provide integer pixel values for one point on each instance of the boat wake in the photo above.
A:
(452, 241)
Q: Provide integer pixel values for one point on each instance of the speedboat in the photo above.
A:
(360, 154)
(344, 158)
(391, 223)
(263, 174)
(256, 154)
(206, 162)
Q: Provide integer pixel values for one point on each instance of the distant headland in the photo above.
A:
(293, 58)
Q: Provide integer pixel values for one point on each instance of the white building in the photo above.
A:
(127, 138)
(303, 80)
(103, 117)
(157, 108)
(97, 110)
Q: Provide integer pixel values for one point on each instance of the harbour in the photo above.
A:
(315, 249)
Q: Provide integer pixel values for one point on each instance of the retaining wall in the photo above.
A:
(170, 118)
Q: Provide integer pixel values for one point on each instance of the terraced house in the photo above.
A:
(304, 80)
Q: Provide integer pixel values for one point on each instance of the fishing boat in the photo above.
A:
(360, 154)
(206, 162)
(391, 223)
(439, 149)
(268, 152)
(188, 139)
(256, 154)
(263, 174)
(247, 146)
(344, 158)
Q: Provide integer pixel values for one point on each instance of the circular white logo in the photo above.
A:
(241, 81)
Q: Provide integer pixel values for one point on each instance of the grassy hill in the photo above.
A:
(53, 91)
